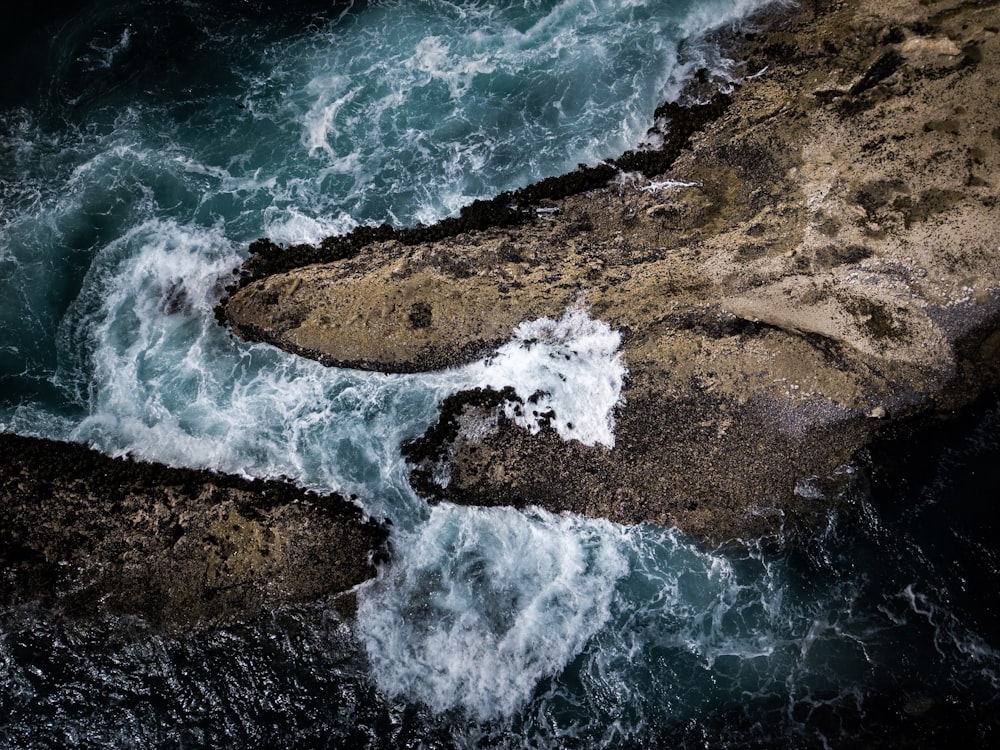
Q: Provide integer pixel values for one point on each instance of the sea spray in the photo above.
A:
(480, 605)
(568, 373)
(166, 383)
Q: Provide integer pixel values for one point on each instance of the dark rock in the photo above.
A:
(87, 535)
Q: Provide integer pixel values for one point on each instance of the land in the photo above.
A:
(86, 536)
(830, 268)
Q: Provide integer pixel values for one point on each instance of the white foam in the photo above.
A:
(656, 186)
(292, 226)
(104, 57)
(482, 604)
(374, 105)
(697, 598)
(165, 383)
(162, 381)
(142, 316)
(332, 93)
(709, 16)
(429, 56)
(433, 59)
(571, 367)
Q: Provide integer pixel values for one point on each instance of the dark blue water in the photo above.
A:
(144, 145)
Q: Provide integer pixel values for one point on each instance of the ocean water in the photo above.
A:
(143, 145)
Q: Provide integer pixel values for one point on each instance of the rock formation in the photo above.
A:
(91, 535)
(822, 259)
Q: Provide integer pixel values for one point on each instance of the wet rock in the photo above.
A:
(89, 535)
(931, 52)
(816, 260)
(881, 69)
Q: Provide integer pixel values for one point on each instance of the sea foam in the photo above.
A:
(568, 372)
(480, 605)
(140, 346)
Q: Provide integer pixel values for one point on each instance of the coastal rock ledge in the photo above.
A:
(830, 266)
(87, 535)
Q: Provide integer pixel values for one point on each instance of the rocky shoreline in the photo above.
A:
(806, 262)
(817, 260)
(90, 536)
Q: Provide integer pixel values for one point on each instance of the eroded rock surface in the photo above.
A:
(93, 535)
(832, 265)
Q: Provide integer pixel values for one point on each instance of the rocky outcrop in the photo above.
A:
(91, 535)
(823, 259)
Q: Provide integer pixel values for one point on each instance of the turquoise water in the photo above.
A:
(144, 145)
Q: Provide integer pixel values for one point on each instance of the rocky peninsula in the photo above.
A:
(88, 535)
(793, 267)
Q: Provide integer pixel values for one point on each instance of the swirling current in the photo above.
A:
(144, 144)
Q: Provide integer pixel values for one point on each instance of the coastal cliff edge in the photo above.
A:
(820, 259)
